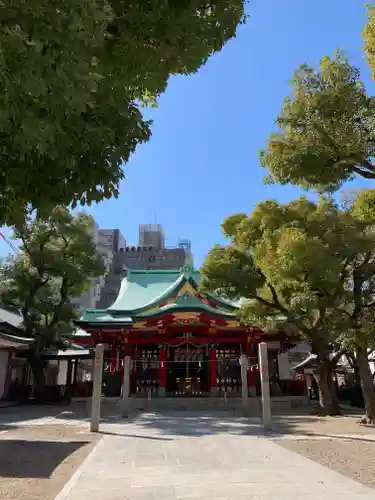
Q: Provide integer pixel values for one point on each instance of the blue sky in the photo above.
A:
(201, 163)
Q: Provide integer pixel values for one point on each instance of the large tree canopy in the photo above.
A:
(72, 75)
(327, 129)
(304, 268)
(56, 263)
(369, 38)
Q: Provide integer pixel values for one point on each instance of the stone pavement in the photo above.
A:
(169, 457)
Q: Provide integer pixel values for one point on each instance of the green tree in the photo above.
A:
(357, 308)
(56, 263)
(369, 38)
(307, 269)
(326, 129)
(72, 78)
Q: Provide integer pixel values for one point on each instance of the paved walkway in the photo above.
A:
(196, 457)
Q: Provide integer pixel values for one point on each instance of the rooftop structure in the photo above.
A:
(133, 258)
(151, 235)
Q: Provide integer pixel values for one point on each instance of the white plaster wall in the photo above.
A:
(63, 369)
(4, 356)
(290, 358)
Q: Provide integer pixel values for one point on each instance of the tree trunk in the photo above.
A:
(36, 365)
(333, 388)
(367, 385)
(327, 397)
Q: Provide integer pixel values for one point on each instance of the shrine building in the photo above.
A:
(181, 342)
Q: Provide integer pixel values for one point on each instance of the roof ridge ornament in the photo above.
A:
(187, 268)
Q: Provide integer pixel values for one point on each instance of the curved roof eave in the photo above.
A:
(177, 308)
(166, 293)
(17, 339)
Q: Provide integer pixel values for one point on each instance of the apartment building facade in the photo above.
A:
(108, 243)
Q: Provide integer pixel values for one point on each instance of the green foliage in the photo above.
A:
(57, 262)
(72, 77)
(302, 267)
(326, 128)
(369, 38)
(363, 206)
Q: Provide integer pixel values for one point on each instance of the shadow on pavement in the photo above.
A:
(180, 424)
(76, 411)
(34, 459)
(283, 427)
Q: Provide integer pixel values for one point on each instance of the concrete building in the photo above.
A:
(151, 254)
(88, 299)
(138, 257)
(151, 235)
(108, 242)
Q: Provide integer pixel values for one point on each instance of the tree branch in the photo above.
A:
(367, 164)
(357, 296)
(318, 321)
(28, 303)
(338, 309)
(343, 274)
(273, 292)
(350, 162)
(275, 296)
(282, 309)
(64, 294)
(363, 173)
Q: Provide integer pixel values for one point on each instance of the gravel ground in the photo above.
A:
(321, 426)
(36, 462)
(354, 458)
(314, 438)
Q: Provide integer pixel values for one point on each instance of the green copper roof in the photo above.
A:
(142, 289)
(105, 317)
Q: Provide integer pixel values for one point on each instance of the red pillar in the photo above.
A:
(212, 360)
(163, 368)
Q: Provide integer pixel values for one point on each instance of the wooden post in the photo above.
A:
(265, 384)
(244, 388)
(125, 387)
(97, 387)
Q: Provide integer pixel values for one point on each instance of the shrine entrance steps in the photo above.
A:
(233, 405)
